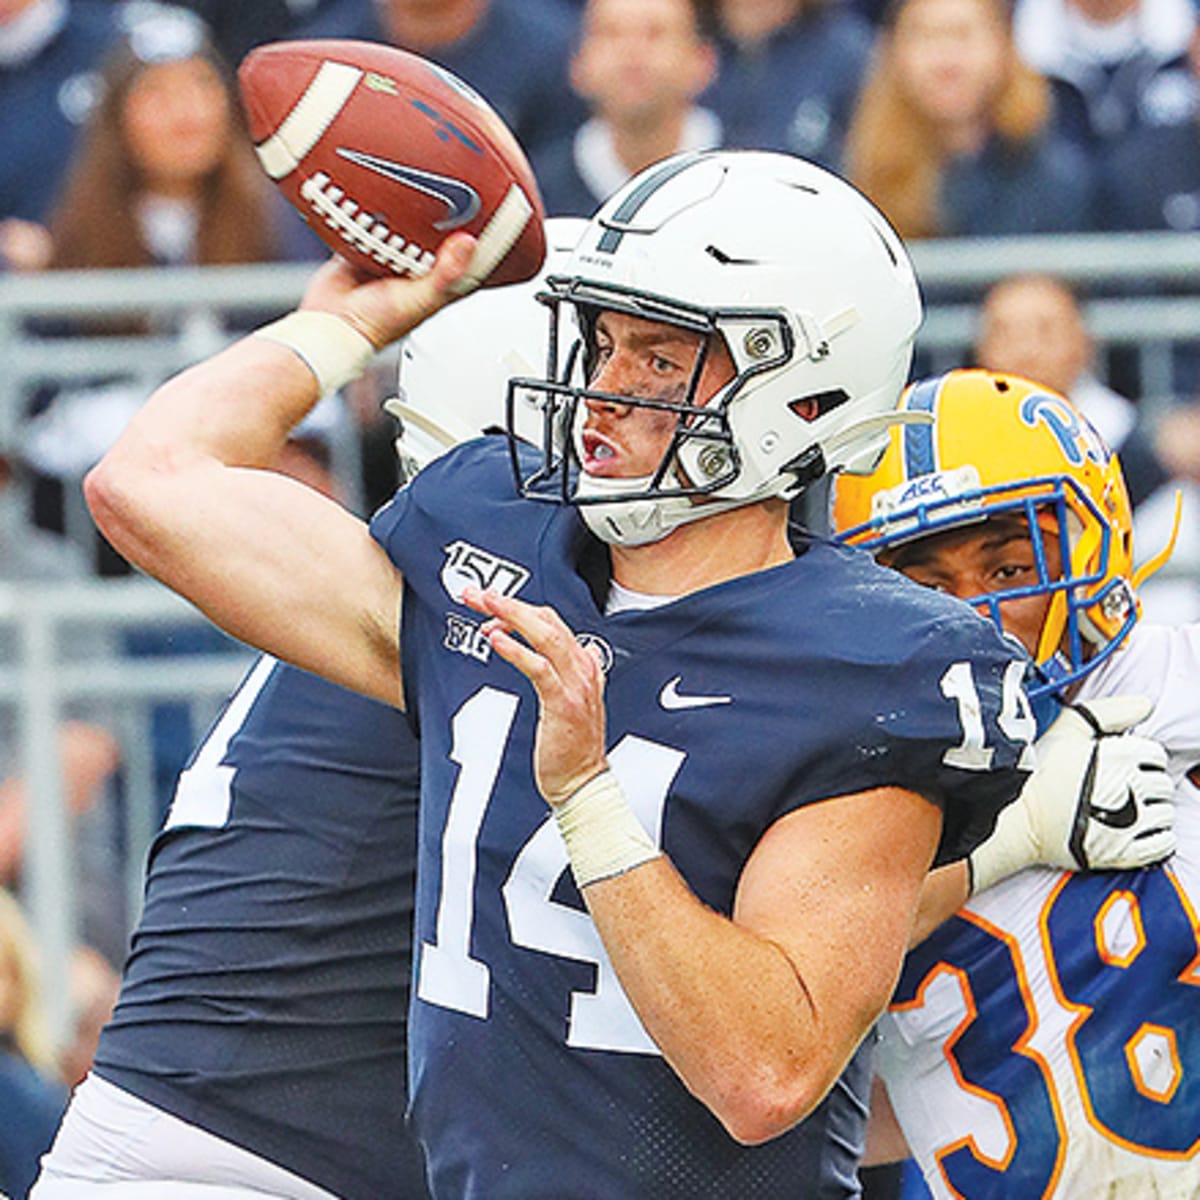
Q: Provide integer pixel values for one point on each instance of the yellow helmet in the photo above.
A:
(1000, 443)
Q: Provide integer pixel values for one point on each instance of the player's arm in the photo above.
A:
(758, 1013)
(187, 493)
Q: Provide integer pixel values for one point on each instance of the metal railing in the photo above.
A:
(42, 685)
(1139, 293)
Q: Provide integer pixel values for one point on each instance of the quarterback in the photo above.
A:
(681, 780)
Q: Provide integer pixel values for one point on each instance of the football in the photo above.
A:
(385, 154)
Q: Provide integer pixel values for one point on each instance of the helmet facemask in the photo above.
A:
(696, 475)
(703, 470)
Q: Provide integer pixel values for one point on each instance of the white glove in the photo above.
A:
(1100, 798)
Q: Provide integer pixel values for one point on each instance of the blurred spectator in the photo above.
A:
(640, 65)
(165, 174)
(513, 52)
(1118, 67)
(48, 49)
(31, 1098)
(167, 150)
(1033, 325)
(94, 986)
(953, 134)
(788, 74)
(1152, 181)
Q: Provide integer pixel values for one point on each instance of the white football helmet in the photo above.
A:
(455, 367)
(815, 298)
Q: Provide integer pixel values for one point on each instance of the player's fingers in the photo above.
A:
(386, 309)
(452, 263)
(1112, 714)
(516, 653)
(540, 625)
(538, 669)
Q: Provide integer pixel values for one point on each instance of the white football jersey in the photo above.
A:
(1045, 1042)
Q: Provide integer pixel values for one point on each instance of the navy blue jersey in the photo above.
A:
(727, 709)
(265, 994)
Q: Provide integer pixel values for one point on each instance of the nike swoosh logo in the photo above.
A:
(460, 198)
(1116, 818)
(672, 701)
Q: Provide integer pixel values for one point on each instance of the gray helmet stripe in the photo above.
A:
(611, 238)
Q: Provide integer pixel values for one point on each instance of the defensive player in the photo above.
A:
(750, 755)
(1045, 1041)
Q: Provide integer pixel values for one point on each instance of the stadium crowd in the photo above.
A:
(957, 118)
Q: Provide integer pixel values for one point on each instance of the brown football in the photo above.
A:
(385, 154)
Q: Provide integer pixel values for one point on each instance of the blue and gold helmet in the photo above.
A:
(1002, 444)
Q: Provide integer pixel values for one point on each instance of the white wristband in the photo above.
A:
(334, 351)
(603, 836)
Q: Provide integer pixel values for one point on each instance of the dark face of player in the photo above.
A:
(978, 560)
(648, 360)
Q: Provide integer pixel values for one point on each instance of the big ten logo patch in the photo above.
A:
(465, 637)
(466, 564)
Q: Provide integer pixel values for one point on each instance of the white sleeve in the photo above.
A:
(1163, 663)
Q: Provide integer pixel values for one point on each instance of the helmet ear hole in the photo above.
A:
(810, 408)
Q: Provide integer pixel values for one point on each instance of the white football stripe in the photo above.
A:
(362, 230)
(312, 114)
(496, 238)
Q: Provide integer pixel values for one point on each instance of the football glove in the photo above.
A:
(1100, 798)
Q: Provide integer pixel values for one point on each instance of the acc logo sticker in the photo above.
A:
(466, 564)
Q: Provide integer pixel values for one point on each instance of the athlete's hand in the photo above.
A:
(568, 679)
(385, 309)
(1100, 798)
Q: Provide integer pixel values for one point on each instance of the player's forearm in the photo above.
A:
(943, 893)
(728, 1008)
(167, 495)
(273, 562)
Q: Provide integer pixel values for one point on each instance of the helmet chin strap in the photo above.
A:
(445, 433)
(864, 439)
(629, 522)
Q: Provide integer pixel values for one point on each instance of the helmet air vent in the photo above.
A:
(809, 408)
